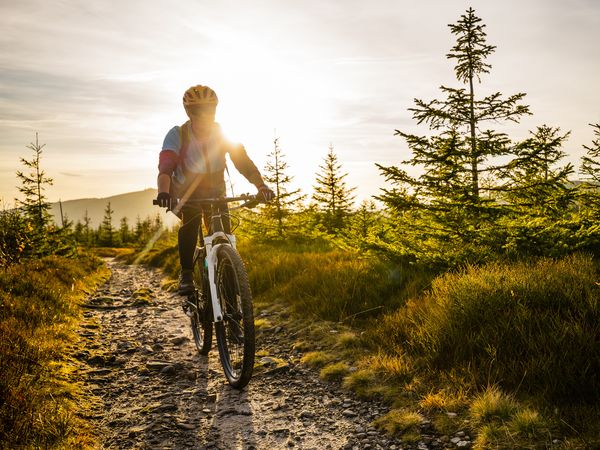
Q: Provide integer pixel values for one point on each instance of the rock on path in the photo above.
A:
(151, 389)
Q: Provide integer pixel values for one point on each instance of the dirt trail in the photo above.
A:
(155, 390)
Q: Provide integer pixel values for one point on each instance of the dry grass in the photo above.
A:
(400, 421)
(316, 359)
(334, 372)
(39, 311)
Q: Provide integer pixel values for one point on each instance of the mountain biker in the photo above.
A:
(192, 164)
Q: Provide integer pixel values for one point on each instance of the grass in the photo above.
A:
(444, 400)
(492, 405)
(316, 359)
(401, 422)
(519, 325)
(113, 252)
(324, 284)
(39, 311)
(334, 372)
(501, 422)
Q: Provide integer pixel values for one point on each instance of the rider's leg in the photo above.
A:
(187, 238)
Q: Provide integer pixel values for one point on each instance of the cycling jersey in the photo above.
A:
(186, 159)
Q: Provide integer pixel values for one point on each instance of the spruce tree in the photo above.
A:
(443, 207)
(106, 231)
(590, 163)
(537, 190)
(365, 226)
(124, 233)
(589, 196)
(87, 231)
(331, 193)
(286, 201)
(533, 179)
(33, 184)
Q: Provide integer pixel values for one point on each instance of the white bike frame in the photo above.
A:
(211, 261)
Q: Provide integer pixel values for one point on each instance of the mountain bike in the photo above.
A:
(222, 293)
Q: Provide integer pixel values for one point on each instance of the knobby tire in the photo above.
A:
(202, 328)
(235, 333)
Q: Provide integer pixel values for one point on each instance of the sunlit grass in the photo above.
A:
(521, 323)
(527, 423)
(316, 359)
(401, 422)
(334, 372)
(444, 400)
(492, 405)
(38, 316)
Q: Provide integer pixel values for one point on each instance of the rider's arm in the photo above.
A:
(244, 164)
(164, 182)
(167, 159)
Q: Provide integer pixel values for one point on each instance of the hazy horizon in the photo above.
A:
(102, 81)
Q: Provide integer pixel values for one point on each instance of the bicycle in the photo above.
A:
(222, 293)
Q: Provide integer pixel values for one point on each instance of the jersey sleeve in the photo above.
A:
(167, 160)
(172, 140)
(244, 164)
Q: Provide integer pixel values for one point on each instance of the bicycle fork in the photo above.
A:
(211, 259)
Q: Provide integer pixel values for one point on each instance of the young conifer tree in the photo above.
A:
(537, 190)
(443, 207)
(589, 195)
(590, 163)
(364, 226)
(87, 231)
(33, 184)
(331, 193)
(107, 232)
(533, 179)
(124, 231)
(285, 202)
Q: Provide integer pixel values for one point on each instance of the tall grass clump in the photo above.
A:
(331, 285)
(528, 326)
(38, 312)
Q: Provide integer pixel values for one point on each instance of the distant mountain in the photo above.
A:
(130, 205)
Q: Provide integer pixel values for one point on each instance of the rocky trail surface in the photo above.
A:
(151, 389)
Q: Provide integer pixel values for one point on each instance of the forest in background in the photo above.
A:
(490, 228)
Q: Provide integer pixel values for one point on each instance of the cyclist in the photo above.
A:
(192, 165)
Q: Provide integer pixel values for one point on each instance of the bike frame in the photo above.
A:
(211, 249)
(211, 263)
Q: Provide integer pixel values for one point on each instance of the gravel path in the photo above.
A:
(154, 391)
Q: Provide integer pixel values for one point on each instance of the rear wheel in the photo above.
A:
(235, 333)
(202, 328)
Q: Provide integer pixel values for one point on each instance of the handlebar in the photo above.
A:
(248, 198)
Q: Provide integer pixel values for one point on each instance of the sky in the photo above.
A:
(101, 81)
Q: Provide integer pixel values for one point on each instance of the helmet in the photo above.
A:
(199, 95)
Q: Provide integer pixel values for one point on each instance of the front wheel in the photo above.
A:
(202, 312)
(235, 333)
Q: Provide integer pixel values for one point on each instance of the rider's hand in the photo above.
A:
(265, 194)
(164, 200)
